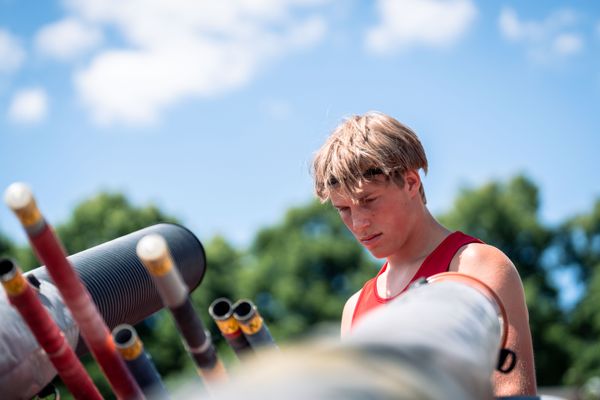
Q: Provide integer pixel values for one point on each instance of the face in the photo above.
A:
(380, 216)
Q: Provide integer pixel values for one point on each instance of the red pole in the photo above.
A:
(47, 333)
(94, 331)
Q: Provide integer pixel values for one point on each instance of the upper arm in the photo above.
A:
(495, 269)
(348, 313)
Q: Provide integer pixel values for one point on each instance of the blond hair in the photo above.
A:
(362, 147)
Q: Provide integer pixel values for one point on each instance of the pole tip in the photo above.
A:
(18, 196)
(8, 269)
(152, 247)
(125, 335)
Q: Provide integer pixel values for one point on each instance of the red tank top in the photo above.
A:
(436, 262)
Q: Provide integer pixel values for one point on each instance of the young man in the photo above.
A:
(369, 170)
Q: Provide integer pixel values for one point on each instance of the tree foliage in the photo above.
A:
(6, 247)
(506, 216)
(104, 217)
(579, 242)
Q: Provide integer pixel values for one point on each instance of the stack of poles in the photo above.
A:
(94, 331)
(253, 326)
(139, 363)
(22, 295)
(154, 253)
(221, 311)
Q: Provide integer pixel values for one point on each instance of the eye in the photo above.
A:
(343, 210)
(369, 200)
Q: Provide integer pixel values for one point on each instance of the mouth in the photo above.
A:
(369, 240)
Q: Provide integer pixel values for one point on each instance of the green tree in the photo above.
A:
(579, 242)
(22, 254)
(104, 217)
(222, 278)
(506, 215)
(579, 245)
(6, 247)
(585, 326)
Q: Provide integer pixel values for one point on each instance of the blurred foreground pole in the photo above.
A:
(50, 251)
(221, 312)
(154, 253)
(437, 341)
(252, 324)
(141, 366)
(47, 334)
(449, 332)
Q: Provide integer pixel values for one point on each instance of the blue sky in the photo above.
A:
(212, 110)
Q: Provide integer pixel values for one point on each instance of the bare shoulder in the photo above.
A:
(348, 313)
(488, 264)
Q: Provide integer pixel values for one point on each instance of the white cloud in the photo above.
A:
(66, 39)
(407, 23)
(28, 106)
(509, 24)
(11, 52)
(176, 49)
(546, 39)
(568, 43)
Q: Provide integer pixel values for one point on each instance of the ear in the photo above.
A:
(412, 182)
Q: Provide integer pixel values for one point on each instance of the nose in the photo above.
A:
(360, 220)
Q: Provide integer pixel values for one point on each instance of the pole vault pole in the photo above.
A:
(50, 251)
(120, 286)
(139, 363)
(438, 340)
(154, 253)
(253, 326)
(221, 312)
(46, 332)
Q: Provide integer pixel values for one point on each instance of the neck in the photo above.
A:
(425, 236)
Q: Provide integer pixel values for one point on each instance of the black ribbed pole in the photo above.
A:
(119, 283)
